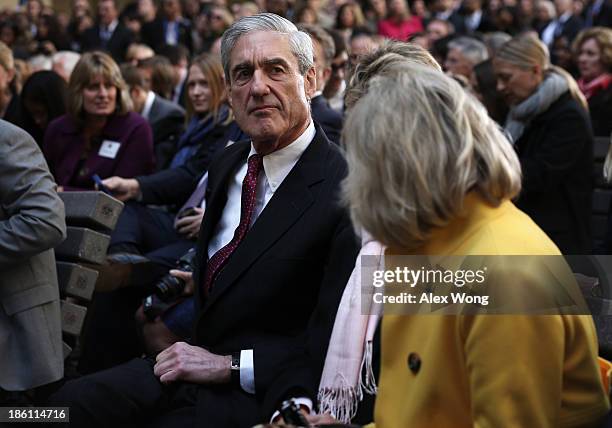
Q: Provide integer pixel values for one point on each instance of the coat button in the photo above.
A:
(414, 362)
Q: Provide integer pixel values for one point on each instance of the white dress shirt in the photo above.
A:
(276, 167)
(146, 109)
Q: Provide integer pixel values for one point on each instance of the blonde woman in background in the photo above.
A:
(549, 126)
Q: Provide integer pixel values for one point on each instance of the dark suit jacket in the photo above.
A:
(570, 28)
(329, 119)
(600, 108)
(174, 186)
(604, 17)
(556, 154)
(167, 120)
(117, 45)
(279, 292)
(152, 33)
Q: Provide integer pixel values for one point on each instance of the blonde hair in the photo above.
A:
(416, 144)
(210, 65)
(90, 65)
(526, 51)
(377, 62)
(6, 57)
(603, 38)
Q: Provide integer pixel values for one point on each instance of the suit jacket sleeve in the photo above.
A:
(31, 212)
(174, 186)
(292, 368)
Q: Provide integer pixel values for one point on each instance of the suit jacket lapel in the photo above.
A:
(289, 202)
(215, 203)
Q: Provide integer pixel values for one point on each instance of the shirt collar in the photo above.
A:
(277, 165)
(146, 110)
(567, 15)
(111, 27)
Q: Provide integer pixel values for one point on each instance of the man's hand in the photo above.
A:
(123, 189)
(189, 225)
(323, 419)
(188, 278)
(183, 362)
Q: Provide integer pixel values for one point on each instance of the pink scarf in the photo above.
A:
(348, 373)
(591, 88)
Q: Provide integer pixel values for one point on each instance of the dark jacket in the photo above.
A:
(600, 108)
(116, 46)
(279, 291)
(329, 119)
(174, 186)
(167, 120)
(73, 165)
(153, 33)
(556, 154)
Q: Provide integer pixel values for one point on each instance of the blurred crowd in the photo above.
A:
(161, 38)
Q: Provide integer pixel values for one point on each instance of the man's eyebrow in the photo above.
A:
(275, 61)
(245, 65)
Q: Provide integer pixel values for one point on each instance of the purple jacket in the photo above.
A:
(125, 148)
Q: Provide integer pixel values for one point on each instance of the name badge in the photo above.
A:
(109, 149)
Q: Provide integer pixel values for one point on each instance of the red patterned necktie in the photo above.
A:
(247, 205)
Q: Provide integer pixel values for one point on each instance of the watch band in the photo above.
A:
(235, 368)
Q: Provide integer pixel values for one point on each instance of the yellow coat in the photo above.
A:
(489, 371)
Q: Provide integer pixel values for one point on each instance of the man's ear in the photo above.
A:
(228, 91)
(310, 82)
(327, 71)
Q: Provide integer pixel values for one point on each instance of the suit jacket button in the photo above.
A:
(414, 362)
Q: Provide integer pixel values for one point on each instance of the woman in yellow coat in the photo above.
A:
(431, 174)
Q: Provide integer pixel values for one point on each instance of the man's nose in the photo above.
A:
(259, 85)
(500, 86)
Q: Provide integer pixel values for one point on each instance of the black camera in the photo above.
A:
(169, 288)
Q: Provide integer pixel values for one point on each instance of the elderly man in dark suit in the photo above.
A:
(31, 224)
(109, 34)
(329, 119)
(274, 253)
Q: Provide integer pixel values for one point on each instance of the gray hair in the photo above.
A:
(549, 6)
(417, 144)
(379, 61)
(323, 38)
(472, 49)
(67, 59)
(299, 42)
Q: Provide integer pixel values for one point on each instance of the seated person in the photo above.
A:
(167, 119)
(99, 134)
(43, 98)
(164, 236)
(468, 370)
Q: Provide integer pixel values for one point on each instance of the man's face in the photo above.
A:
(436, 30)
(457, 63)
(171, 8)
(267, 92)
(339, 68)
(139, 98)
(360, 46)
(323, 69)
(107, 12)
